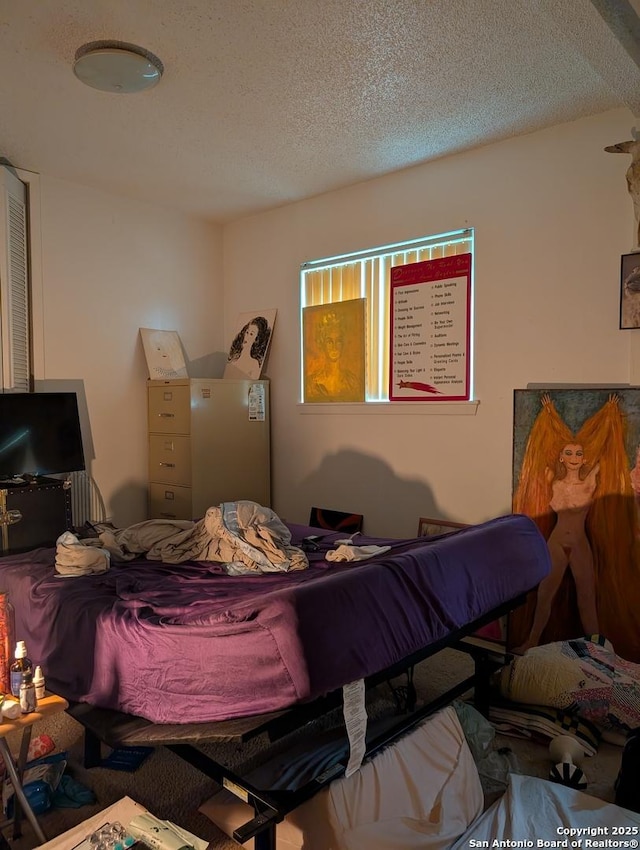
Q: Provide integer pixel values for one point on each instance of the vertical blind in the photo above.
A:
(367, 275)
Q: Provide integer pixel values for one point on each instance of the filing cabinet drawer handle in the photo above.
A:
(167, 415)
(170, 465)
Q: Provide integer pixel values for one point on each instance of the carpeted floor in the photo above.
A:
(173, 789)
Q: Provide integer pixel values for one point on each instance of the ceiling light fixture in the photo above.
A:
(116, 66)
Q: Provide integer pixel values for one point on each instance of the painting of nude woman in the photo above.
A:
(574, 453)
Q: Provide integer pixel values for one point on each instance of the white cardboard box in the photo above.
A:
(122, 811)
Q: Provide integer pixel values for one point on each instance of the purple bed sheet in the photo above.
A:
(188, 643)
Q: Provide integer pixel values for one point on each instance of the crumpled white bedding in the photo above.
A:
(535, 810)
(74, 558)
(244, 536)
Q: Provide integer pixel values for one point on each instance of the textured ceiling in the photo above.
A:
(264, 102)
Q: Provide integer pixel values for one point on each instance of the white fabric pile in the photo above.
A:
(345, 552)
(80, 558)
(539, 813)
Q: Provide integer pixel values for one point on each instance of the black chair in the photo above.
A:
(335, 520)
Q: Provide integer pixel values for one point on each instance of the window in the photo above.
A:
(366, 274)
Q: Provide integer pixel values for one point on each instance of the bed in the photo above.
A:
(185, 649)
(182, 643)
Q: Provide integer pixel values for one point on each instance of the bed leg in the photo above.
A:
(404, 696)
(92, 749)
(484, 667)
(266, 840)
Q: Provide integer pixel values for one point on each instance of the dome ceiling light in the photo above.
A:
(118, 67)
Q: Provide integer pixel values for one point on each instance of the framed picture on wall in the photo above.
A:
(630, 291)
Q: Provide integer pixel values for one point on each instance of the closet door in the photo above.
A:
(15, 330)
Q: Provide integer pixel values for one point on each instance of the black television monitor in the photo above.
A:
(39, 435)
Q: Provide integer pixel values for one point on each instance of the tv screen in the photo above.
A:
(39, 434)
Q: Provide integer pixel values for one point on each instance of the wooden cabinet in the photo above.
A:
(209, 443)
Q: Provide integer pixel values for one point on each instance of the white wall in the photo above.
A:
(552, 217)
(110, 266)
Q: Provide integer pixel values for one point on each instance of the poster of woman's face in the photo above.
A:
(250, 344)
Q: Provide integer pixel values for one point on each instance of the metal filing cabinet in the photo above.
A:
(209, 442)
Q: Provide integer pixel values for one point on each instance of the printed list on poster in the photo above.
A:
(430, 330)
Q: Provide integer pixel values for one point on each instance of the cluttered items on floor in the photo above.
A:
(566, 756)
(428, 789)
(583, 676)
(439, 805)
(122, 825)
(47, 784)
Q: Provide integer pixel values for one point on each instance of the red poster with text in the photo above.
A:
(431, 330)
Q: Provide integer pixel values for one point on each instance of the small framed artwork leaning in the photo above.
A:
(630, 291)
(429, 527)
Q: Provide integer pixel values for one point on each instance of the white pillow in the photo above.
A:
(422, 792)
